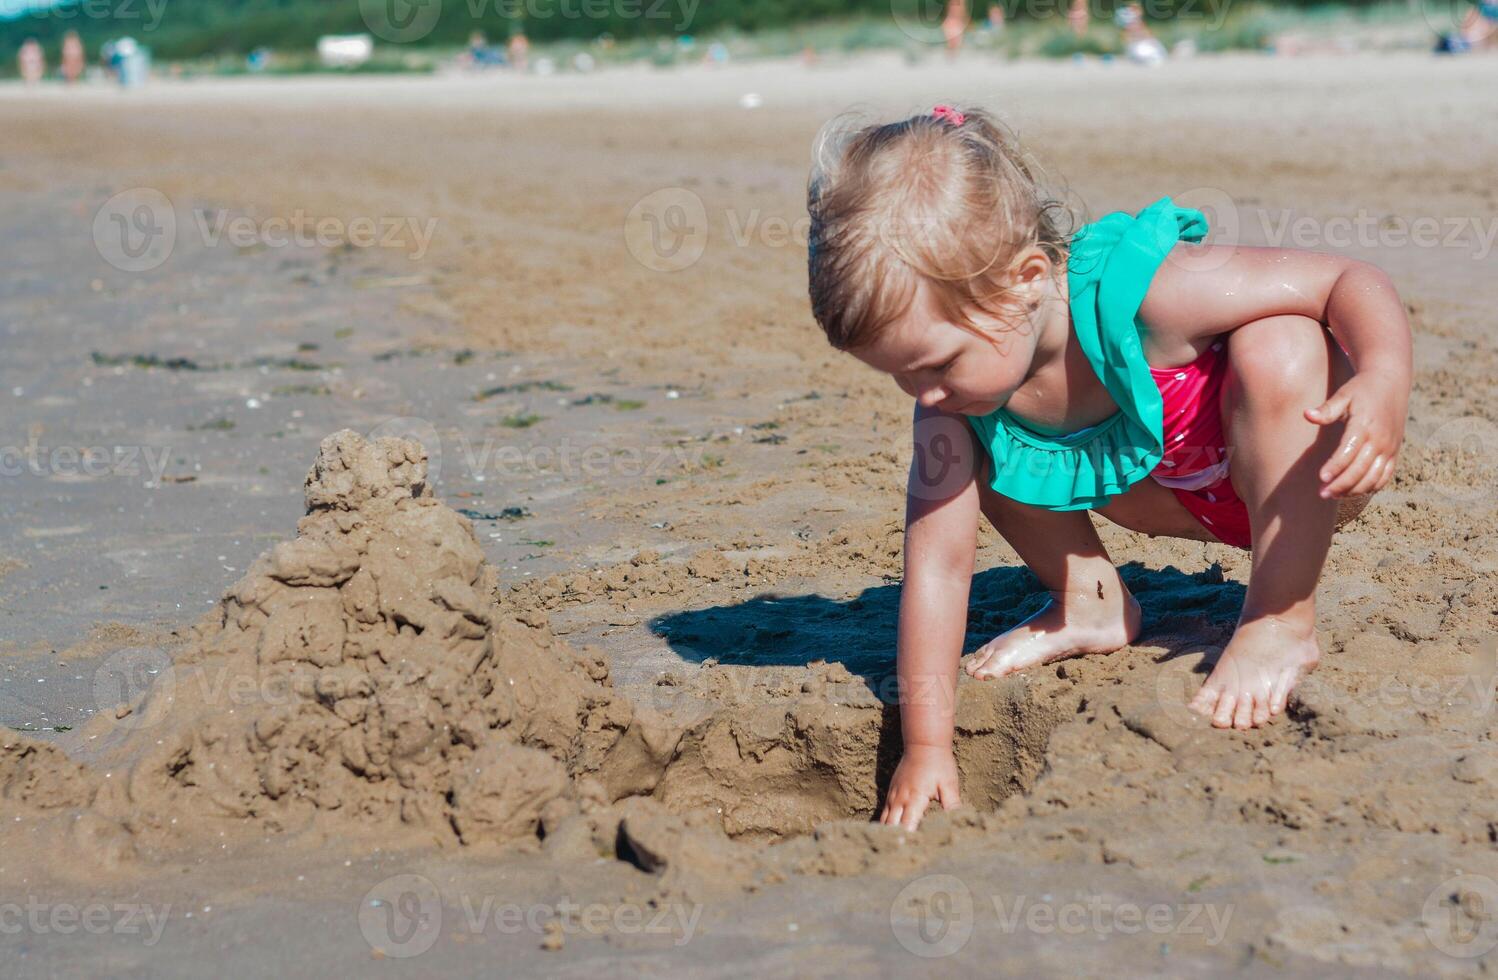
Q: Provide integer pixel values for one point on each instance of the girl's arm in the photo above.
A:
(941, 530)
(1205, 290)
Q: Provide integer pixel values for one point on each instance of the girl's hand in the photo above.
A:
(925, 772)
(1374, 406)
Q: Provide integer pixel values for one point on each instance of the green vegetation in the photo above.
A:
(524, 420)
(213, 36)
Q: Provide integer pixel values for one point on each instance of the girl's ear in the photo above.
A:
(1032, 271)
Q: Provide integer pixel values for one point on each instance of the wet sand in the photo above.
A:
(729, 489)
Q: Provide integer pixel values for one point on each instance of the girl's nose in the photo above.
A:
(931, 397)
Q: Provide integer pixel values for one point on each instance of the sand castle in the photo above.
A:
(368, 672)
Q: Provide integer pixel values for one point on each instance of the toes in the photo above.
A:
(992, 667)
(1261, 711)
(1281, 694)
(1205, 702)
(977, 661)
(1223, 716)
(1243, 714)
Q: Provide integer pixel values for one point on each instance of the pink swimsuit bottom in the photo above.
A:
(1195, 465)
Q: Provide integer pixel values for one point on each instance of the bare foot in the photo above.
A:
(1070, 625)
(1253, 678)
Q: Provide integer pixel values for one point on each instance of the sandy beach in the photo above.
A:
(672, 513)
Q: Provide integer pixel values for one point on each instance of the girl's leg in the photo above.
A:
(1278, 367)
(1090, 609)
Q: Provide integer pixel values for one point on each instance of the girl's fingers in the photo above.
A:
(947, 796)
(1343, 455)
(912, 816)
(1387, 475)
(1352, 474)
(1369, 482)
(1328, 411)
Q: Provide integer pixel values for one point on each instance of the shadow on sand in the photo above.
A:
(774, 629)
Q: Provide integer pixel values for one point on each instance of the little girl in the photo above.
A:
(1249, 396)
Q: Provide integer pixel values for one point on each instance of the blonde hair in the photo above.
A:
(946, 198)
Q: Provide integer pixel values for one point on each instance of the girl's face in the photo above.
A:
(948, 368)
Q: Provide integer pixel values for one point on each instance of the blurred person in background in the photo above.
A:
(1078, 17)
(31, 62)
(520, 51)
(73, 57)
(995, 22)
(953, 25)
(1140, 43)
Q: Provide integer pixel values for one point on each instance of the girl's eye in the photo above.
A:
(947, 366)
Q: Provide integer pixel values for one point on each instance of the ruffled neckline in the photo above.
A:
(1110, 266)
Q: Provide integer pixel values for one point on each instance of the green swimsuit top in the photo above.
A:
(1109, 269)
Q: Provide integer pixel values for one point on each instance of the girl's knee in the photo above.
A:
(1280, 360)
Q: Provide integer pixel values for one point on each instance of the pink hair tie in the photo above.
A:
(948, 114)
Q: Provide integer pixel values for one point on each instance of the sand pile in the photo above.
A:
(365, 673)
(361, 670)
